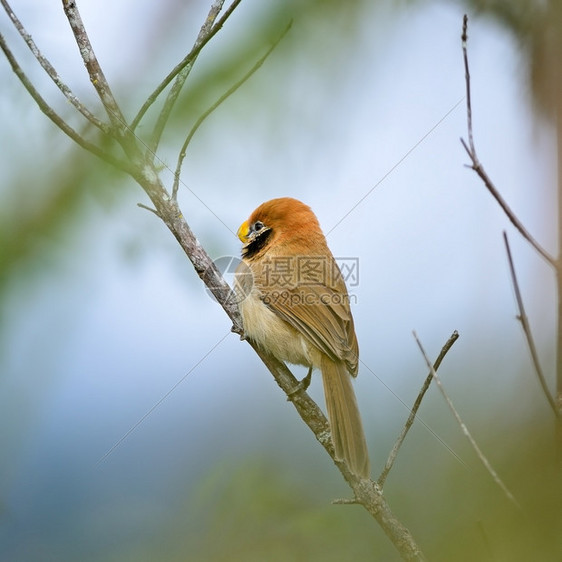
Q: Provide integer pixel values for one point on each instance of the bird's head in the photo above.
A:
(279, 223)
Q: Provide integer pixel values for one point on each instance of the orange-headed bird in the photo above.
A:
(295, 306)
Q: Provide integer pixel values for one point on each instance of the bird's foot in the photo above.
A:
(302, 385)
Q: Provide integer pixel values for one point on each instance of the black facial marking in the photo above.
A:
(258, 243)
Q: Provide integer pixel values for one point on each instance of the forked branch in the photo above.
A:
(413, 412)
(479, 169)
(464, 428)
(215, 105)
(208, 31)
(97, 77)
(556, 264)
(52, 73)
(57, 119)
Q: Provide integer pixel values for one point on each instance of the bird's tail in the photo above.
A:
(345, 422)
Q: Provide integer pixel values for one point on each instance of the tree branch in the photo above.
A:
(168, 210)
(464, 429)
(174, 93)
(52, 73)
(55, 118)
(208, 31)
(366, 492)
(215, 105)
(409, 422)
(479, 169)
(522, 317)
(97, 77)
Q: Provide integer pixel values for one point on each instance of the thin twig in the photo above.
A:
(201, 41)
(174, 92)
(433, 433)
(522, 317)
(147, 208)
(464, 38)
(345, 501)
(203, 38)
(55, 118)
(409, 422)
(464, 429)
(217, 103)
(52, 73)
(479, 169)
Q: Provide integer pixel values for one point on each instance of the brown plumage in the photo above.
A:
(295, 305)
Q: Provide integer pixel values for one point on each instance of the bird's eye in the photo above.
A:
(258, 225)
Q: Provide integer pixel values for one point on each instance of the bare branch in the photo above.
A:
(479, 169)
(205, 35)
(174, 93)
(522, 317)
(464, 38)
(409, 422)
(147, 208)
(93, 67)
(215, 105)
(464, 429)
(366, 492)
(55, 118)
(50, 70)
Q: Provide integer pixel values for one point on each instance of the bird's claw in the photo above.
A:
(302, 384)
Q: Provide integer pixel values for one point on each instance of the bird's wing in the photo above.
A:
(319, 311)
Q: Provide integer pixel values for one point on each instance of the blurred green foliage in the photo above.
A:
(48, 199)
(257, 509)
(43, 206)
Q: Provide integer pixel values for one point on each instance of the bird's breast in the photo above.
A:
(273, 334)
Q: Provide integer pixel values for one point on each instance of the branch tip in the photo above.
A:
(147, 208)
(413, 412)
(217, 103)
(522, 317)
(464, 428)
(464, 36)
(481, 172)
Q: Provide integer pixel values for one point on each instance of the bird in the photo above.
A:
(294, 305)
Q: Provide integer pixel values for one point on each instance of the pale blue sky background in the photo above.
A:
(98, 343)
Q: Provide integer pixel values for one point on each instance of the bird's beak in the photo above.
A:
(244, 231)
